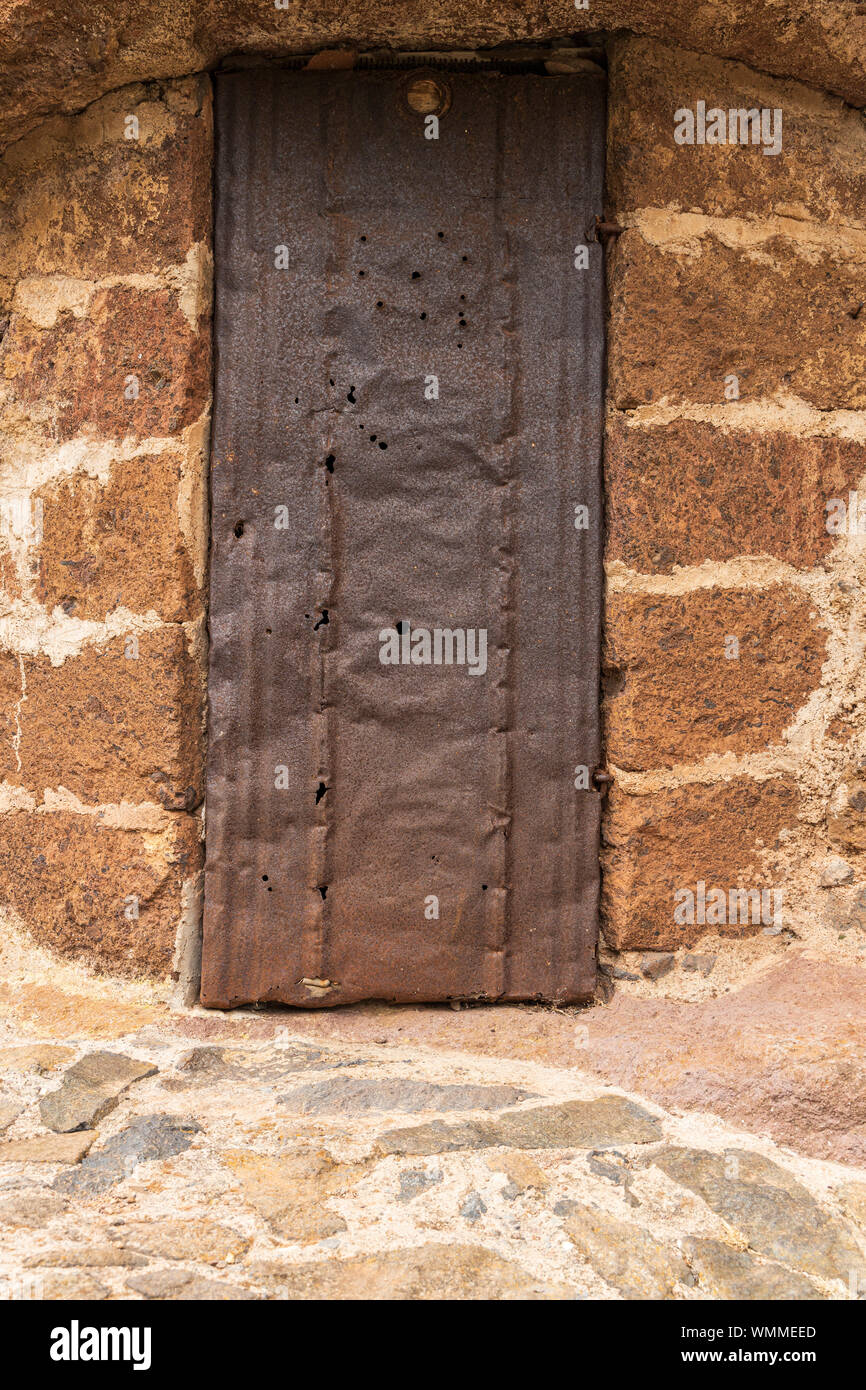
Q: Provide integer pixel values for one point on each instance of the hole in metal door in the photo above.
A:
(406, 538)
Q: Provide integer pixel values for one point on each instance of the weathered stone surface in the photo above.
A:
(182, 1240)
(414, 1181)
(775, 1213)
(83, 1256)
(30, 1209)
(686, 492)
(821, 173)
(835, 872)
(111, 727)
(82, 200)
(63, 1013)
(575, 1124)
(680, 324)
(846, 822)
(673, 839)
(730, 1273)
(48, 1148)
(435, 1272)
(90, 1089)
(217, 1066)
(38, 1057)
(146, 1139)
(79, 372)
(8, 1114)
(852, 1195)
(119, 545)
(355, 1095)
(703, 965)
(682, 697)
(46, 73)
(289, 1191)
(624, 1255)
(66, 1285)
(74, 880)
(657, 964)
(846, 909)
(181, 1285)
(473, 1207)
(522, 1172)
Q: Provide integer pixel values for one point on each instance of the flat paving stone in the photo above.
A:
(181, 1240)
(181, 1285)
(90, 1089)
(729, 1273)
(290, 1190)
(146, 1138)
(771, 1210)
(523, 1173)
(48, 1148)
(430, 1272)
(852, 1195)
(575, 1124)
(30, 1209)
(206, 1066)
(38, 1057)
(8, 1115)
(83, 1257)
(625, 1255)
(356, 1095)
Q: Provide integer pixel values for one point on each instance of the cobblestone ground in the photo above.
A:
(156, 1154)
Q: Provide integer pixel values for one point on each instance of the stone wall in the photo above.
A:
(744, 770)
(735, 264)
(104, 408)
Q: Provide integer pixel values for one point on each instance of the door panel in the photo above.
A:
(349, 801)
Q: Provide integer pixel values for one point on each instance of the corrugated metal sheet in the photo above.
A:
(344, 795)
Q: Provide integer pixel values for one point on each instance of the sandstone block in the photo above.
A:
(820, 172)
(575, 1124)
(710, 671)
(686, 492)
(674, 839)
(774, 318)
(133, 366)
(625, 1255)
(48, 1148)
(119, 722)
(118, 546)
(112, 897)
(774, 1212)
(90, 1089)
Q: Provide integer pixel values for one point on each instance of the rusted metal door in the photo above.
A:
(406, 539)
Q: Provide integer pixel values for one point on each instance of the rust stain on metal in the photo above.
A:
(405, 612)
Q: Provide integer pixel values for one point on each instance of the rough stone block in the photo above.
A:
(48, 1148)
(78, 885)
(713, 833)
(772, 316)
(118, 546)
(90, 1089)
(681, 693)
(79, 198)
(132, 366)
(626, 1256)
(686, 492)
(820, 172)
(109, 726)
